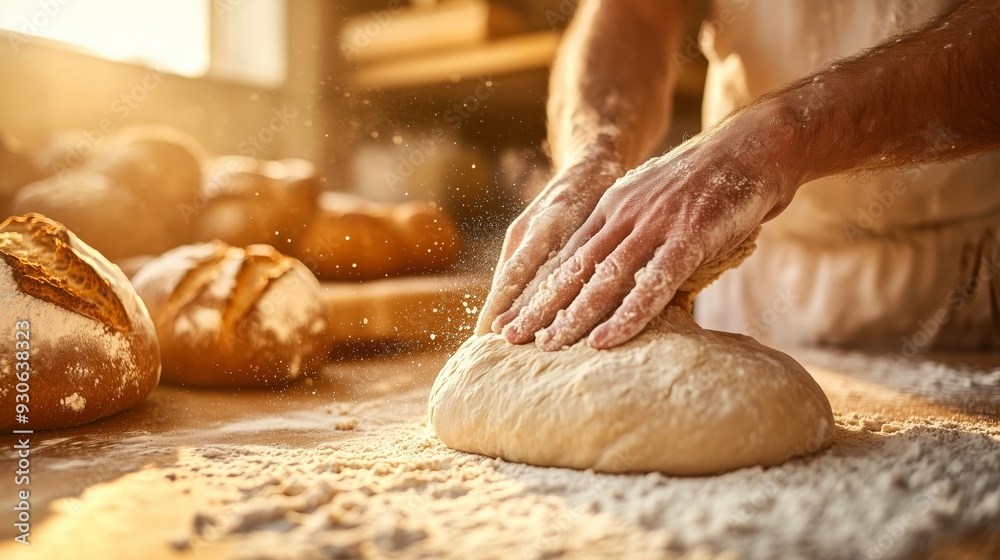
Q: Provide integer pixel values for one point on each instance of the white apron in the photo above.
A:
(906, 259)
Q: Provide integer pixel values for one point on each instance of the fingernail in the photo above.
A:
(502, 321)
(510, 333)
(598, 337)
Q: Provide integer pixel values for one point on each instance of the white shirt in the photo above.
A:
(928, 235)
(754, 46)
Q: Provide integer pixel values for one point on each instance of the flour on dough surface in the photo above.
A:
(676, 399)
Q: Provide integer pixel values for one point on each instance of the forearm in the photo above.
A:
(612, 81)
(929, 95)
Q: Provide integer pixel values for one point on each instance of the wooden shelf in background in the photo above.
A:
(515, 54)
(390, 33)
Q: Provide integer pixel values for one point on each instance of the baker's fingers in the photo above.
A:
(512, 276)
(612, 281)
(522, 300)
(578, 240)
(559, 289)
(655, 286)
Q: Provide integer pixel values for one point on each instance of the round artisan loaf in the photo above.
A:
(115, 221)
(246, 200)
(233, 317)
(430, 237)
(89, 346)
(65, 151)
(161, 165)
(354, 239)
(16, 170)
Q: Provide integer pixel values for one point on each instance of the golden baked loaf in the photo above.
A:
(66, 150)
(247, 201)
(233, 317)
(159, 164)
(81, 345)
(354, 239)
(16, 170)
(113, 220)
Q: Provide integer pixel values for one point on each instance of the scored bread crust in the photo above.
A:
(233, 317)
(93, 349)
(45, 265)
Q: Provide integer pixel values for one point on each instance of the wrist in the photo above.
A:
(788, 139)
(598, 163)
(772, 138)
(600, 153)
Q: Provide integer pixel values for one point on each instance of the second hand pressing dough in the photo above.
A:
(677, 399)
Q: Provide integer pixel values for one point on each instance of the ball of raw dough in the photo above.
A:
(677, 399)
(88, 343)
(228, 316)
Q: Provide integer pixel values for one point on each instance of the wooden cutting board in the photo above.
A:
(438, 309)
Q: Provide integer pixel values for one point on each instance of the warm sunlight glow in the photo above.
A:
(169, 35)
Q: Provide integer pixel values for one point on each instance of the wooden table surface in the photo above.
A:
(388, 383)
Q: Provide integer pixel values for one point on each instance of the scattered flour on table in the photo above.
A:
(975, 385)
(884, 490)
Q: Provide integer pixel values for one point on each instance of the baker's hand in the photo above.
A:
(648, 234)
(540, 232)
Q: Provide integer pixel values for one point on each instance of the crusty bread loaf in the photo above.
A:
(89, 343)
(65, 151)
(351, 238)
(115, 221)
(159, 164)
(232, 317)
(247, 201)
(16, 170)
(430, 238)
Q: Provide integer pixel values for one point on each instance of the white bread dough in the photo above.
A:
(677, 399)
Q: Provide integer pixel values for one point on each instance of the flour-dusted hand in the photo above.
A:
(605, 117)
(654, 228)
(537, 236)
